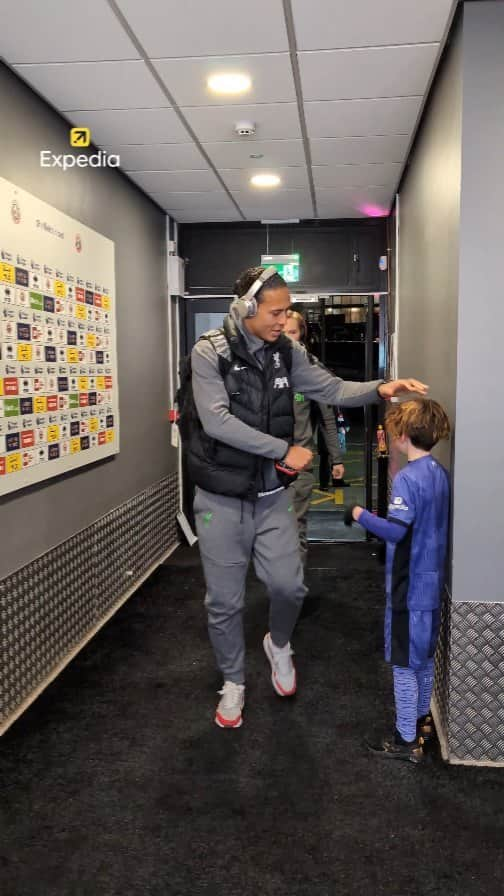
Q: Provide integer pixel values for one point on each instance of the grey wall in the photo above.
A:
(36, 519)
(429, 241)
(478, 542)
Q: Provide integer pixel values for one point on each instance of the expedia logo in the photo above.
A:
(79, 138)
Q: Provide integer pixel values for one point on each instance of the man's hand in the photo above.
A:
(338, 471)
(298, 458)
(397, 387)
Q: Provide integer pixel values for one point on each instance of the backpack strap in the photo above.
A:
(219, 343)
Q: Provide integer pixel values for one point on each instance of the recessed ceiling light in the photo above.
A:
(257, 155)
(229, 82)
(265, 180)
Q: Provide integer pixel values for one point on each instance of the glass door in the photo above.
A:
(344, 333)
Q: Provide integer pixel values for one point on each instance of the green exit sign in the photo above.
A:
(286, 265)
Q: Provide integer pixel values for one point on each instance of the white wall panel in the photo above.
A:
(369, 73)
(95, 85)
(271, 76)
(59, 31)
(169, 28)
(331, 24)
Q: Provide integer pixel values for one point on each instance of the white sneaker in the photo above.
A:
(229, 710)
(283, 672)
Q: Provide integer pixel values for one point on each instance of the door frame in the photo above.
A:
(191, 305)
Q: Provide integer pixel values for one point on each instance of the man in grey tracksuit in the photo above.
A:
(243, 381)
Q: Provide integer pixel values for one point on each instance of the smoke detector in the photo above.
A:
(245, 128)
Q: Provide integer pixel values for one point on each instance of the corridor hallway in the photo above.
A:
(116, 782)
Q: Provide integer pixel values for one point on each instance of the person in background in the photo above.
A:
(307, 416)
(240, 452)
(416, 533)
(326, 472)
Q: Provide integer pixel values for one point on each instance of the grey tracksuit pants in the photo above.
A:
(231, 532)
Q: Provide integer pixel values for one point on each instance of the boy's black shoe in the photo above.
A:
(397, 748)
(425, 728)
(340, 483)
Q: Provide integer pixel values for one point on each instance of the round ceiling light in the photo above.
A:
(265, 180)
(231, 83)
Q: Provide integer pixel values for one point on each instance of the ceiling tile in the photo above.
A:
(285, 204)
(272, 152)
(95, 85)
(290, 179)
(160, 157)
(59, 31)
(175, 181)
(275, 121)
(356, 175)
(354, 203)
(359, 150)
(217, 202)
(132, 126)
(362, 118)
(328, 24)
(169, 28)
(369, 73)
(186, 79)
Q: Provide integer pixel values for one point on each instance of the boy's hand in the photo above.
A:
(352, 513)
(397, 387)
(298, 458)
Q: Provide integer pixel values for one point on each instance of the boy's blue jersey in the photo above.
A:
(416, 566)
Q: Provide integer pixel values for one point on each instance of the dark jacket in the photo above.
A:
(261, 397)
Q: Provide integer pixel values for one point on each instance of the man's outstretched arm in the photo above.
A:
(319, 384)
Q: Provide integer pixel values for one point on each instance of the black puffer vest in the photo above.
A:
(260, 397)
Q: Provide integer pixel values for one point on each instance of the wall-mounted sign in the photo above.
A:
(59, 407)
(286, 265)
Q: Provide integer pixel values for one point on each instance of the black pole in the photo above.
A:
(368, 417)
(322, 330)
(383, 363)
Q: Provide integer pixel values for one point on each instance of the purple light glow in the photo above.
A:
(373, 211)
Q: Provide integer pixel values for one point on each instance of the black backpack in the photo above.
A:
(188, 420)
(187, 415)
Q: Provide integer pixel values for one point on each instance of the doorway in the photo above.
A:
(348, 334)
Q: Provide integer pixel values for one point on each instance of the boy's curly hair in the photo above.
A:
(422, 420)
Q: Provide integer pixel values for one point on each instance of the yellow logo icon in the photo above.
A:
(80, 137)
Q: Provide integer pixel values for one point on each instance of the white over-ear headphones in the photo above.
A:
(246, 306)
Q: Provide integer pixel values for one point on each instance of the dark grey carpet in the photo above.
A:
(117, 781)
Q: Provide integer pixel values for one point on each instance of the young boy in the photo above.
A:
(416, 532)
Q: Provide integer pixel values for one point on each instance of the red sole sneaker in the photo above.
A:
(228, 723)
(276, 684)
